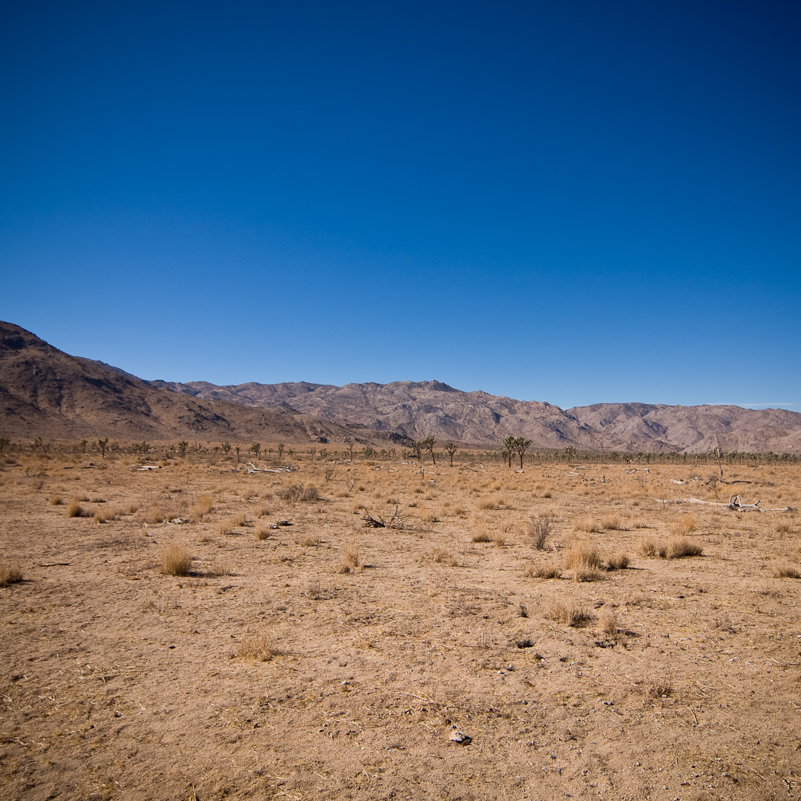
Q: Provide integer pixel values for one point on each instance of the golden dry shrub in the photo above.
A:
(679, 546)
(204, 505)
(612, 522)
(619, 561)
(684, 525)
(10, 574)
(786, 571)
(607, 623)
(74, 509)
(259, 647)
(550, 571)
(568, 612)
(538, 530)
(176, 560)
(583, 561)
(350, 558)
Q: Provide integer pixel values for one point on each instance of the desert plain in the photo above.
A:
(198, 631)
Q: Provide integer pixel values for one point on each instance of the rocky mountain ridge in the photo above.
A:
(45, 392)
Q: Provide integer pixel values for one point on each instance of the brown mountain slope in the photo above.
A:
(416, 410)
(694, 429)
(45, 392)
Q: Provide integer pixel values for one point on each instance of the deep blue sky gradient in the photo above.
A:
(573, 202)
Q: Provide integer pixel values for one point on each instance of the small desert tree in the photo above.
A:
(450, 449)
(428, 444)
(5, 442)
(102, 444)
(182, 446)
(281, 447)
(521, 446)
(226, 448)
(255, 449)
(508, 449)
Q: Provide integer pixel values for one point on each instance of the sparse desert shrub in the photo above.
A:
(308, 541)
(499, 539)
(607, 623)
(259, 647)
(203, 506)
(56, 500)
(684, 525)
(218, 568)
(539, 529)
(492, 504)
(544, 571)
(155, 514)
(262, 533)
(587, 523)
(583, 561)
(679, 547)
(619, 561)
(660, 686)
(74, 509)
(611, 522)
(567, 612)
(443, 556)
(263, 511)
(10, 574)
(350, 558)
(786, 571)
(298, 492)
(649, 547)
(481, 536)
(100, 516)
(176, 560)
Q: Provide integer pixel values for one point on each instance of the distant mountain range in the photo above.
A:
(45, 392)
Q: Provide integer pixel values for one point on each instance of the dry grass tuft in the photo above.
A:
(350, 558)
(203, 506)
(56, 500)
(619, 561)
(543, 571)
(607, 623)
(539, 529)
(155, 514)
(679, 546)
(567, 612)
(308, 540)
(482, 536)
(263, 533)
(176, 560)
(786, 571)
(74, 509)
(684, 525)
(298, 492)
(587, 523)
(10, 574)
(443, 556)
(612, 522)
(583, 561)
(259, 647)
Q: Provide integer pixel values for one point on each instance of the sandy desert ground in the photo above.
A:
(327, 659)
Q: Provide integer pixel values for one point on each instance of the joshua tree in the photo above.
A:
(520, 447)
(102, 443)
(5, 442)
(255, 449)
(508, 449)
(182, 446)
(84, 443)
(226, 448)
(237, 453)
(281, 447)
(428, 444)
(450, 449)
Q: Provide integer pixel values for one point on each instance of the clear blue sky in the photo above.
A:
(571, 201)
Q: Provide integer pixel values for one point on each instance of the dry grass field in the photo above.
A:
(192, 632)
